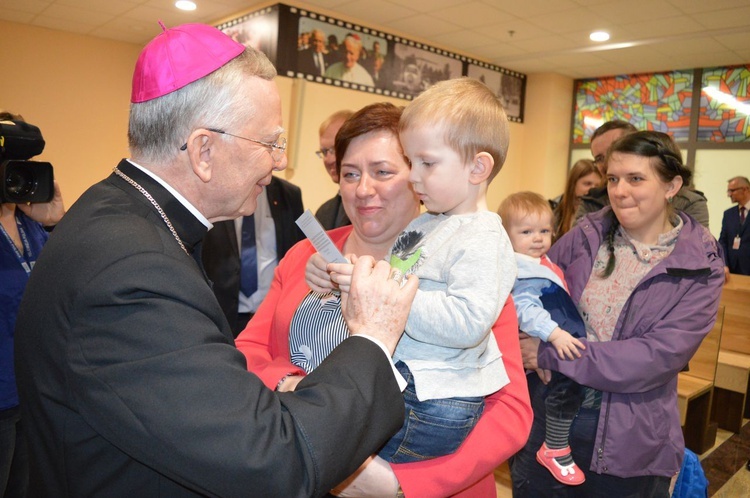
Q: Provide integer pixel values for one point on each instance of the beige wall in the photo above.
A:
(77, 90)
(546, 141)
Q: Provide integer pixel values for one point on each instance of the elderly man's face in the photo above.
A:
(318, 41)
(242, 167)
(352, 53)
(738, 192)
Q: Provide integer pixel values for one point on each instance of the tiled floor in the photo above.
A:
(724, 465)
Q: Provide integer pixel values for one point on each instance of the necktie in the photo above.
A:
(249, 258)
(742, 215)
(321, 64)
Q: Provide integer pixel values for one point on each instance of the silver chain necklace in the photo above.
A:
(156, 205)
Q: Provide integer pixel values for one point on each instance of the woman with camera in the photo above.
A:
(22, 235)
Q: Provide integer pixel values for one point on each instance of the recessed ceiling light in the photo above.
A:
(599, 36)
(185, 5)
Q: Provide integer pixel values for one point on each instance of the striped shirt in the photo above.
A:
(316, 329)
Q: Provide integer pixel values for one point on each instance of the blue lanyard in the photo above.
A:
(27, 247)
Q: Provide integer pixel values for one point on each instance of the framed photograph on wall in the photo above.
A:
(323, 49)
(416, 67)
(508, 85)
(259, 30)
(328, 49)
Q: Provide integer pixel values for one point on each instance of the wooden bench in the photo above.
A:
(731, 400)
(695, 390)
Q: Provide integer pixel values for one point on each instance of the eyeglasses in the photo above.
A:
(276, 149)
(324, 151)
(731, 190)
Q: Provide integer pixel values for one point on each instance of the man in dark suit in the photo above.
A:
(331, 213)
(129, 380)
(735, 233)
(314, 59)
(279, 206)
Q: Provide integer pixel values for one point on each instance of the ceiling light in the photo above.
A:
(599, 36)
(185, 5)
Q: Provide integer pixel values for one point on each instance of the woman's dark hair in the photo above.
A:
(374, 117)
(666, 160)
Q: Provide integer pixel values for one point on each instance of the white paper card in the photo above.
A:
(320, 240)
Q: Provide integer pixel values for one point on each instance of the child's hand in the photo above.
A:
(566, 345)
(341, 273)
(316, 275)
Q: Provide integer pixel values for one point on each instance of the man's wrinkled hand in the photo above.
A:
(376, 304)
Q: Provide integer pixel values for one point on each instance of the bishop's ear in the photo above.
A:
(199, 148)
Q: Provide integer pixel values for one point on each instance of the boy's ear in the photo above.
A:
(481, 168)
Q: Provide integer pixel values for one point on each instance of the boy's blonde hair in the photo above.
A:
(471, 116)
(523, 204)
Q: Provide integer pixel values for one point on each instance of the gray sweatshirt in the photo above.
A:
(466, 269)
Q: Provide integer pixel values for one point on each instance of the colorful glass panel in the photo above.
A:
(725, 105)
(654, 101)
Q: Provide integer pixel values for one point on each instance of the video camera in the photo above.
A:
(23, 180)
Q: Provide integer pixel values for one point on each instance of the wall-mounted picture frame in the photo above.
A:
(323, 49)
(416, 67)
(259, 30)
(509, 86)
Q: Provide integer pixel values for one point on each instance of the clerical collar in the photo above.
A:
(176, 195)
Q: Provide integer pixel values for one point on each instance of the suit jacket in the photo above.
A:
(131, 385)
(331, 214)
(221, 255)
(738, 260)
(306, 62)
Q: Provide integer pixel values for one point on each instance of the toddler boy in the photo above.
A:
(455, 135)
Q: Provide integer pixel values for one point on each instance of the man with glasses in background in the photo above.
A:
(129, 379)
(735, 233)
(687, 200)
(331, 213)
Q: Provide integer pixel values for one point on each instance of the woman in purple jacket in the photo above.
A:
(647, 281)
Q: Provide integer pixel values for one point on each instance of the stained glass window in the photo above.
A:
(654, 101)
(725, 105)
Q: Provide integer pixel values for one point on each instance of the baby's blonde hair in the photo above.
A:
(522, 204)
(471, 116)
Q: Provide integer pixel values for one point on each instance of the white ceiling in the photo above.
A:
(529, 36)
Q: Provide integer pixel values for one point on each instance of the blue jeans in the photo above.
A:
(431, 428)
(14, 459)
(531, 480)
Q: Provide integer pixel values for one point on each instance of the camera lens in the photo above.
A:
(20, 182)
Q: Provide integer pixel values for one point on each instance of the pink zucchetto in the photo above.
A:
(178, 56)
